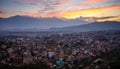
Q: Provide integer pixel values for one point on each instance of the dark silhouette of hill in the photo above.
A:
(25, 23)
(96, 26)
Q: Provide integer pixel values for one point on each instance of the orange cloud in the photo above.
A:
(88, 2)
(93, 12)
(110, 19)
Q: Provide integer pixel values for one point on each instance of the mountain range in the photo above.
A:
(95, 26)
(24, 23)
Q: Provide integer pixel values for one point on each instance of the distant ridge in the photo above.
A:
(24, 23)
(96, 26)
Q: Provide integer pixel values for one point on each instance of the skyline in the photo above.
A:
(91, 10)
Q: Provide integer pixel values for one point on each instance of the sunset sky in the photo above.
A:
(100, 10)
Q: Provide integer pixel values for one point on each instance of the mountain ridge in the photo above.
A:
(95, 26)
(24, 23)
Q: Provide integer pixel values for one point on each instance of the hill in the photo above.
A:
(28, 23)
(96, 26)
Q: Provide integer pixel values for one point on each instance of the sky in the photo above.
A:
(99, 10)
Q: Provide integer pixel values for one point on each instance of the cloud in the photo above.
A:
(89, 2)
(100, 19)
(30, 1)
(46, 2)
(72, 14)
(106, 17)
(85, 4)
(1, 11)
(70, 9)
(44, 15)
(92, 12)
(107, 13)
(48, 5)
(4, 14)
(111, 18)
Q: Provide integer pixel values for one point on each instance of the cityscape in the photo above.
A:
(59, 34)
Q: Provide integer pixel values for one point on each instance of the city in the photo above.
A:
(59, 34)
(84, 50)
